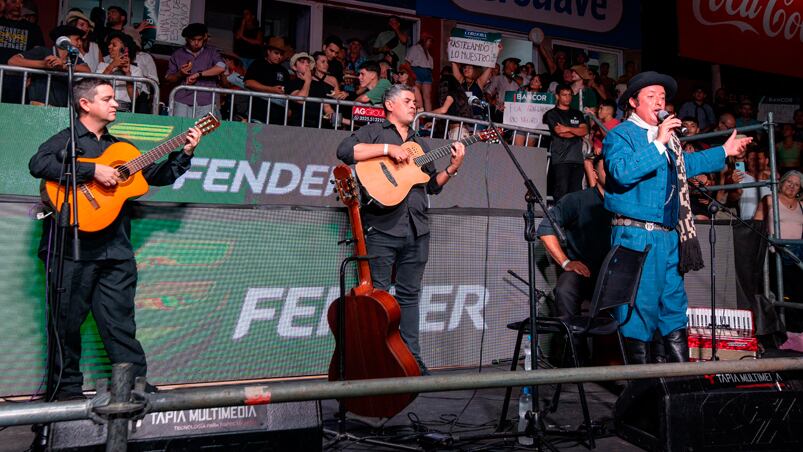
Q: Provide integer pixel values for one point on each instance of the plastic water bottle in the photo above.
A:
(528, 352)
(525, 403)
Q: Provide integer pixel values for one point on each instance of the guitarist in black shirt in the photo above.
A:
(399, 235)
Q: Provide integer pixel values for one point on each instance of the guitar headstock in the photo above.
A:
(207, 123)
(346, 186)
(490, 135)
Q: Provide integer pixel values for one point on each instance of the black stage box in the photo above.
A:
(723, 412)
(285, 426)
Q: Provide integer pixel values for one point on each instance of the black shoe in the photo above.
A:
(151, 389)
(636, 351)
(676, 345)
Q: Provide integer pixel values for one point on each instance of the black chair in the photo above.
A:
(617, 285)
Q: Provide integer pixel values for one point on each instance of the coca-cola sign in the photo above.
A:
(766, 35)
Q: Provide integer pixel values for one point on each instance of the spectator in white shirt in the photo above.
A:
(122, 52)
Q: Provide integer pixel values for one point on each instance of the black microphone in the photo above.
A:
(63, 42)
(475, 101)
(663, 114)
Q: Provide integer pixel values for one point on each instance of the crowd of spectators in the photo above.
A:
(362, 72)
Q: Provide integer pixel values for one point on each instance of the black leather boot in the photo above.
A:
(676, 346)
(636, 351)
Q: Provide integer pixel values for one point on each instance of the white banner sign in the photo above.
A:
(474, 47)
(526, 109)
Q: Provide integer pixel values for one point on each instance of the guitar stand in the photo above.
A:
(341, 434)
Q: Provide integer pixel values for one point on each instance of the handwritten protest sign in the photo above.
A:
(173, 16)
(474, 47)
(526, 109)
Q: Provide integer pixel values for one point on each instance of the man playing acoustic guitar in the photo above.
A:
(105, 278)
(399, 235)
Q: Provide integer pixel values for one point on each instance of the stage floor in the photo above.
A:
(460, 413)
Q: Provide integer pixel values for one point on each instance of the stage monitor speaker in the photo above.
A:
(285, 426)
(723, 412)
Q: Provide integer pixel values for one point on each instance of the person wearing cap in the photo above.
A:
(585, 92)
(196, 64)
(267, 75)
(51, 59)
(419, 59)
(306, 84)
(354, 58)
(473, 81)
(506, 81)
(90, 51)
(647, 191)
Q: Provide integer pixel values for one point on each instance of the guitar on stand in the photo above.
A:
(98, 205)
(365, 323)
(388, 182)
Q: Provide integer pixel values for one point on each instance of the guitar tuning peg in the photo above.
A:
(331, 181)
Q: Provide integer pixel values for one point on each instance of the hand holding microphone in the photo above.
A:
(668, 124)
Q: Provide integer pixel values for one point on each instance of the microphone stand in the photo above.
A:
(531, 197)
(63, 223)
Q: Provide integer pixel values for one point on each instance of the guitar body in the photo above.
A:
(373, 349)
(388, 182)
(98, 205)
(108, 200)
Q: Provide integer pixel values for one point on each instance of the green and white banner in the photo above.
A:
(474, 47)
(526, 109)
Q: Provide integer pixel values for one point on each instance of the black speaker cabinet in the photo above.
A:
(723, 412)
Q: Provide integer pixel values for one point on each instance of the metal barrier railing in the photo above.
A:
(277, 101)
(115, 79)
(474, 125)
(284, 392)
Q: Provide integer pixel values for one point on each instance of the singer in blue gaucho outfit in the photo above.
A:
(648, 193)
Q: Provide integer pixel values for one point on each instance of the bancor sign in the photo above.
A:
(588, 15)
(765, 35)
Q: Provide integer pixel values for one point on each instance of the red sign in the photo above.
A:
(765, 35)
(368, 114)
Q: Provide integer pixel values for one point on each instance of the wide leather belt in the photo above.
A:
(648, 225)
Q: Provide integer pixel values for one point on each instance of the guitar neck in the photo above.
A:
(360, 248)
(155, 154)
(443, 151)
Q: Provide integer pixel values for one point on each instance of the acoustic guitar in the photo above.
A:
(98, 205)
(388, 182)
(373, 346)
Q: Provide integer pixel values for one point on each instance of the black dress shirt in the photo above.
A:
(587, 226)
(114, 241)
(395, 220)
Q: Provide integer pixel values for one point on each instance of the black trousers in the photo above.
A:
(409, 255)
(565, 178)
(570, 292)
(107, 288)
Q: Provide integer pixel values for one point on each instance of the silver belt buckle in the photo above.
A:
(649, 225)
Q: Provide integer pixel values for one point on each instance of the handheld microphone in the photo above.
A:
(63, 42)
(663, 114)
(475, 101)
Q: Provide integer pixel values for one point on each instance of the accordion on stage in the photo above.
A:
(735, 334)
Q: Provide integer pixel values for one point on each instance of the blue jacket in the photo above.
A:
(637, 172)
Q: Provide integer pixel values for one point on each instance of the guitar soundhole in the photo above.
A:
(124, 172)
